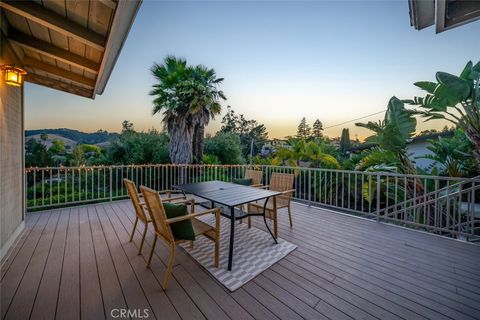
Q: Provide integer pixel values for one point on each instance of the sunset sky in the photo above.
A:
(335, 61)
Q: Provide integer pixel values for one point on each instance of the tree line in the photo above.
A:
(189, 97)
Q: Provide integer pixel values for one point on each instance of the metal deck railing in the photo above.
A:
(443, 205)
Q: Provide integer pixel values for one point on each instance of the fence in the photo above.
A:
(444, 205)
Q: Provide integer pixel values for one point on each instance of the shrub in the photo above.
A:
(226, 147)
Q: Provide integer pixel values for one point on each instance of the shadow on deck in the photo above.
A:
(74, 263)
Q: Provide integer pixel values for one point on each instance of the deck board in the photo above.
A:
(178, 297)
(24, 298)
(77, 263)
(8, 259)
(91, 301)
(112, 293)
(371, 246)
(68, 302)
(46, 301)
(157, 298)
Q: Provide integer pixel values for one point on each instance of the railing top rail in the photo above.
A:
(139, 165)
(381, 173)
(384, 174)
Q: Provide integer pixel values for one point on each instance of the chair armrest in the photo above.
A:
(186, 201)
(257, 185)
(265, 187)
(169, 191)
(173, 198)
(288, 191)
(192, 201)
(165, 191)
(192, 215)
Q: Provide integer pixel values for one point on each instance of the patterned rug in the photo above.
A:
(254, 251)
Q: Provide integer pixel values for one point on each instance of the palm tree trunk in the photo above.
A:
(201, 120)
(196, 158)
(198, 144)
(181, 135)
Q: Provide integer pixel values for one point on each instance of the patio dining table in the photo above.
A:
(231, 196)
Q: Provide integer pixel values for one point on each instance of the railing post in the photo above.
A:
(378, 197)
(111, 182)
(471, 210)
(309, 187)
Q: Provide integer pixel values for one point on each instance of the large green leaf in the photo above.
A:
(396, 129)
(373, 126)
(400, 118)
(476, 67)
(399, 126)
(375, 157)
(465, 75)
(452, 88)
(432, 102)
(427, 86)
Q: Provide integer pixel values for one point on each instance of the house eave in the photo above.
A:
(122, 23)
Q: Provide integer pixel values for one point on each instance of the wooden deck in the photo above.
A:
(77, 263)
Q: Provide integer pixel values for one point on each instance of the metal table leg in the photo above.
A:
(265, 220)
(232, 236)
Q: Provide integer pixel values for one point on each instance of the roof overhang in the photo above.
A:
(68, 45)
(444, 14)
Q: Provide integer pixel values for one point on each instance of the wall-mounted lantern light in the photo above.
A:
(13, 76)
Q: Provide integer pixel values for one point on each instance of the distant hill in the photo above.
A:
(76, 136)
(69, 144)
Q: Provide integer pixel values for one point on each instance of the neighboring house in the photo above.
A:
(417, 148)
(335, 142)
(272, 145)
(63, 45)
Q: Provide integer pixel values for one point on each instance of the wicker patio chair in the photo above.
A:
(256, 176)
(281, 182)
(162, 226)
(140, 209)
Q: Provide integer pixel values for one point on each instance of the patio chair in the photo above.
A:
(256, 176)
(163, 228)
(140, 209)
(281, 182)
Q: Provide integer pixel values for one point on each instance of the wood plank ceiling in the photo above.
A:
(60, 43)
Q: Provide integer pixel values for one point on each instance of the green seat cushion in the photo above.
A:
(182, 230)
(244, 182)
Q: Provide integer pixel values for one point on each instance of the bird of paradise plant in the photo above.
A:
(455, 99)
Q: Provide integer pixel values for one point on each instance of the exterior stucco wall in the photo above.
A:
(11, 165)
(418, 149)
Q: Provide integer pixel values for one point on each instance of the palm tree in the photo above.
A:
(185, 95)
(310, 152)
(171, 98)
(209, 97)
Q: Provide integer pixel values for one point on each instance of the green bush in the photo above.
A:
(226, 147)
(210, 159)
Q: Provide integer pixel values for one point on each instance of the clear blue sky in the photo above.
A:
(331, 60)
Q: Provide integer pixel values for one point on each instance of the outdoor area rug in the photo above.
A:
(254, 251)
